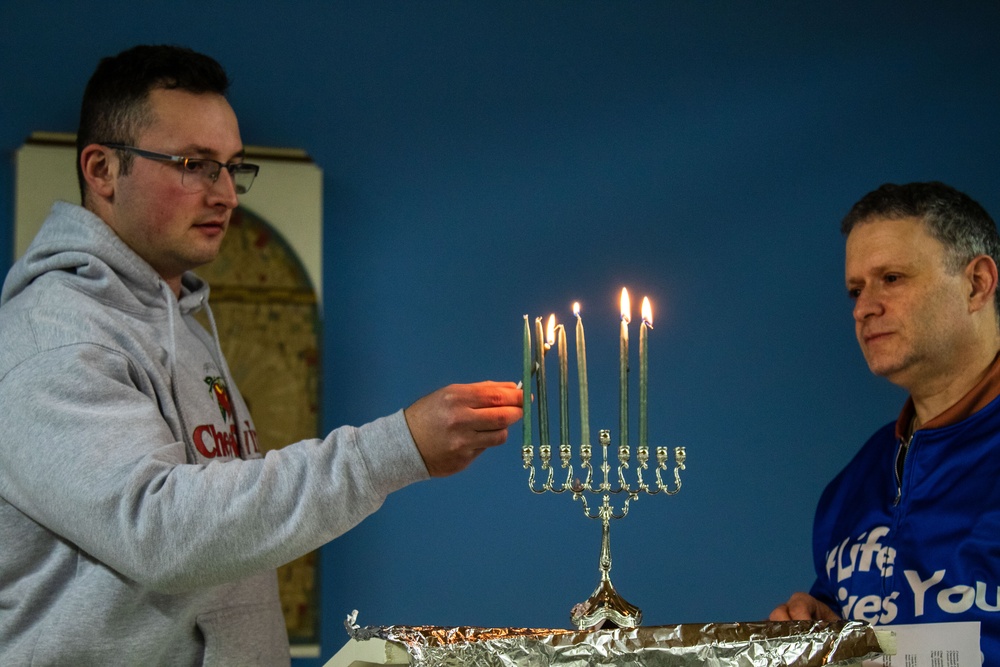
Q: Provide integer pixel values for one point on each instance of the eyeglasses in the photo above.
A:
(199, 173)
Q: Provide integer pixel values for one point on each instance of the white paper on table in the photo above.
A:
(933, 645)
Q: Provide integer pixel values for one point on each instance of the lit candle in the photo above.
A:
(623, 368)
(526, 385)
(647, 324)
(581, 371)
(543, 404)
(563, 385)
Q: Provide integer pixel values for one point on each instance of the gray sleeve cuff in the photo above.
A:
(391, 456)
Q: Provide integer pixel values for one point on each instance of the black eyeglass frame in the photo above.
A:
(235, 169)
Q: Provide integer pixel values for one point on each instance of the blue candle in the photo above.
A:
(581, 370)
(526, 385)
(647, 324)
(543, 404)
(623, 368)
(563, 385)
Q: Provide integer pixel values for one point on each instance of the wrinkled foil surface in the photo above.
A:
(799, 643)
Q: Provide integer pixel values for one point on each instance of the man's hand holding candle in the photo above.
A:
(455, 424)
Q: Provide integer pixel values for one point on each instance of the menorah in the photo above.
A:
(605, 604)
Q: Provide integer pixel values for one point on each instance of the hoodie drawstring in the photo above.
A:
(172, 305)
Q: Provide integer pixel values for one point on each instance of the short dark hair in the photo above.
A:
(952, 217)
(114, 107)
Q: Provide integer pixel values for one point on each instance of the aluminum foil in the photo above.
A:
(799, 643)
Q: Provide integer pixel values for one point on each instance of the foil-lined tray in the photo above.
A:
(798, 643)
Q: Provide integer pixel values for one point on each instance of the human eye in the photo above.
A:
(197, 166)
(854, 289)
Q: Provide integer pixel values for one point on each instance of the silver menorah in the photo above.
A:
(605, 603)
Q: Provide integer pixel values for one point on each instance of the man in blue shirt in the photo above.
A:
(909, 531)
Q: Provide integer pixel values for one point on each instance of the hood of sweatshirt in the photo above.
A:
(94, 260)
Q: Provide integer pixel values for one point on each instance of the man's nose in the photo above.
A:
(223, 190)
(866, 304)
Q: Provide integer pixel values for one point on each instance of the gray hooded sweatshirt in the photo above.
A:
(139, 523)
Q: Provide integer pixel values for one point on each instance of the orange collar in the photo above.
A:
(978, 398)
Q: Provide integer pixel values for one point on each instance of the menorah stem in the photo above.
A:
(605, 563)
(605, 604)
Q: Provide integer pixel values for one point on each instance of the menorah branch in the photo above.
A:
(605, 605)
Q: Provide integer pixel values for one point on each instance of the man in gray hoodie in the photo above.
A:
(110, 445)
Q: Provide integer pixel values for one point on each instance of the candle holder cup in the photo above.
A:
(605, 604)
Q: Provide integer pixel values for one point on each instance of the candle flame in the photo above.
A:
(647, 312)
(576, 308)
(550, 331)
(626, 306)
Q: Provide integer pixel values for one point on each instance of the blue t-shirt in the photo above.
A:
(923, 551)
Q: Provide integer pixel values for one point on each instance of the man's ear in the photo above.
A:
(981, 273)
(100, 170)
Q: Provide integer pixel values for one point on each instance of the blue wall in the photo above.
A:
(486, 160)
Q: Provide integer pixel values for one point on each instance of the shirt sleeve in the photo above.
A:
(87, 455)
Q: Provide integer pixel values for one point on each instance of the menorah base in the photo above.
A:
(605, 604)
